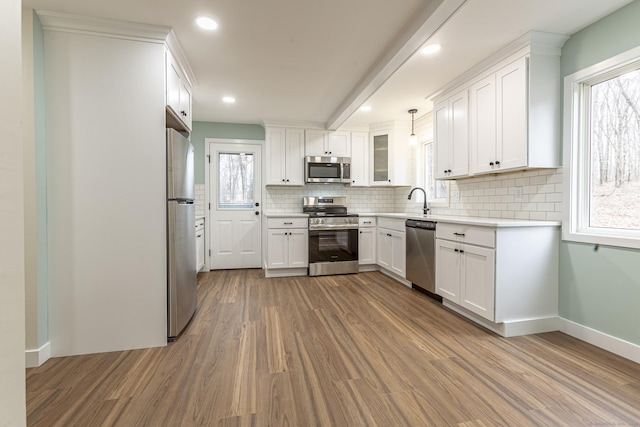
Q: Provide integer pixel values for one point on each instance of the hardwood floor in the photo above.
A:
(356, 350)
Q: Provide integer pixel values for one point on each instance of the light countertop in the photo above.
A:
(468, 220)
(286, 215)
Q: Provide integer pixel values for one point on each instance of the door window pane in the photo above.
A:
(235, 181)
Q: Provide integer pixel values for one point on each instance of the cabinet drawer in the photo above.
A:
(367, 221)
(391, 223)
(288, 222)
(199, 224)
(474, 235)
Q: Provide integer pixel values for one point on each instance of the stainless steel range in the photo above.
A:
(333, 236)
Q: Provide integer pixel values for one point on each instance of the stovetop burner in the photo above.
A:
(325, 206)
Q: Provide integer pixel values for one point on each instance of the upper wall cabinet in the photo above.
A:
(389, 157)
(451, 130)
(359, 159)
(327, 143)
(284, 160)
(178, 93)
(513, 114)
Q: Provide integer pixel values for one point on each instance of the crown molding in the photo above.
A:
(535, 42)
(173, 44)
(53, 21)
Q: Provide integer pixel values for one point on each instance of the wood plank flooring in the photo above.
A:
(355, 350)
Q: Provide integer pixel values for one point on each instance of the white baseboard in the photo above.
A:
(35, 358)
(610, 343)
(508, 329)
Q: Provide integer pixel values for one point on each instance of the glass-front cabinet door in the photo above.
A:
(380, 159)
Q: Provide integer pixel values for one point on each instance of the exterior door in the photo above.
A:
(236, 205)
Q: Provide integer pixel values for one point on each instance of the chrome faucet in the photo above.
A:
(425, 207)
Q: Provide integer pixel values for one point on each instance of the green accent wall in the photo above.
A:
(601, 289)
(41, 181)
(202, 130)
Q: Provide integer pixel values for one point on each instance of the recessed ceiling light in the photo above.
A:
(365, 108)
(431, 49)
(206, 23)
(228, 99)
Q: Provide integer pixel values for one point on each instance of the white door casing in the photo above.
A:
(235, 231)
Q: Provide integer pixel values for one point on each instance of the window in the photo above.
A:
(235, 181)
(602, 151)
(437, 190)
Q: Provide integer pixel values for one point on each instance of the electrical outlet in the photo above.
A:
(518, 194)
(455, 196)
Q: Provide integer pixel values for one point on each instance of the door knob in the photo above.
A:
(257, 204)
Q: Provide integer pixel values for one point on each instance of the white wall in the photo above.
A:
(106, 193)
(12, 364)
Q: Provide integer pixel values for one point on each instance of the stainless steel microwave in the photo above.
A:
(327, 169)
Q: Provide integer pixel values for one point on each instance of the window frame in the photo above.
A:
(576, 153)
(421, 176)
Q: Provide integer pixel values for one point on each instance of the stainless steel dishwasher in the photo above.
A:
(421, 255)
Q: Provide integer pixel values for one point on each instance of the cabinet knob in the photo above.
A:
(282, 179)
(461, 251)
(287, 180)
(445, 171)
(449, 171)
(199, 235)
(490, 163)
(361, 232)
(389, 235)
(457, 250)
(389, 180)
(497, 162)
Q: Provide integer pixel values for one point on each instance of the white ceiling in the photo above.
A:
(317, 61)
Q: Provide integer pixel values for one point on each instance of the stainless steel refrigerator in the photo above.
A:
(181, 244)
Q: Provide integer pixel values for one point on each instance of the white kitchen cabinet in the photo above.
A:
(367, 240)
(451, 133)
(389, 157)
(284, 159)
(498, 119)
(513, 114)
(391, 246)
(359, 159)
(178, 95)
(287, 243)
(465, 275)
(504, 275)
(200, 249)
(327, 143)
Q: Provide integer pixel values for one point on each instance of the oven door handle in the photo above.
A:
(333, 227)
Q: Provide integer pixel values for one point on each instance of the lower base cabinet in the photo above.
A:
(391, 245)
(465, 275)
(287, 243)
(506, 275)
(287, 248)
(367, 240)
(200, 249)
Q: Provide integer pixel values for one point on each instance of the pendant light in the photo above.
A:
(413, 140)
